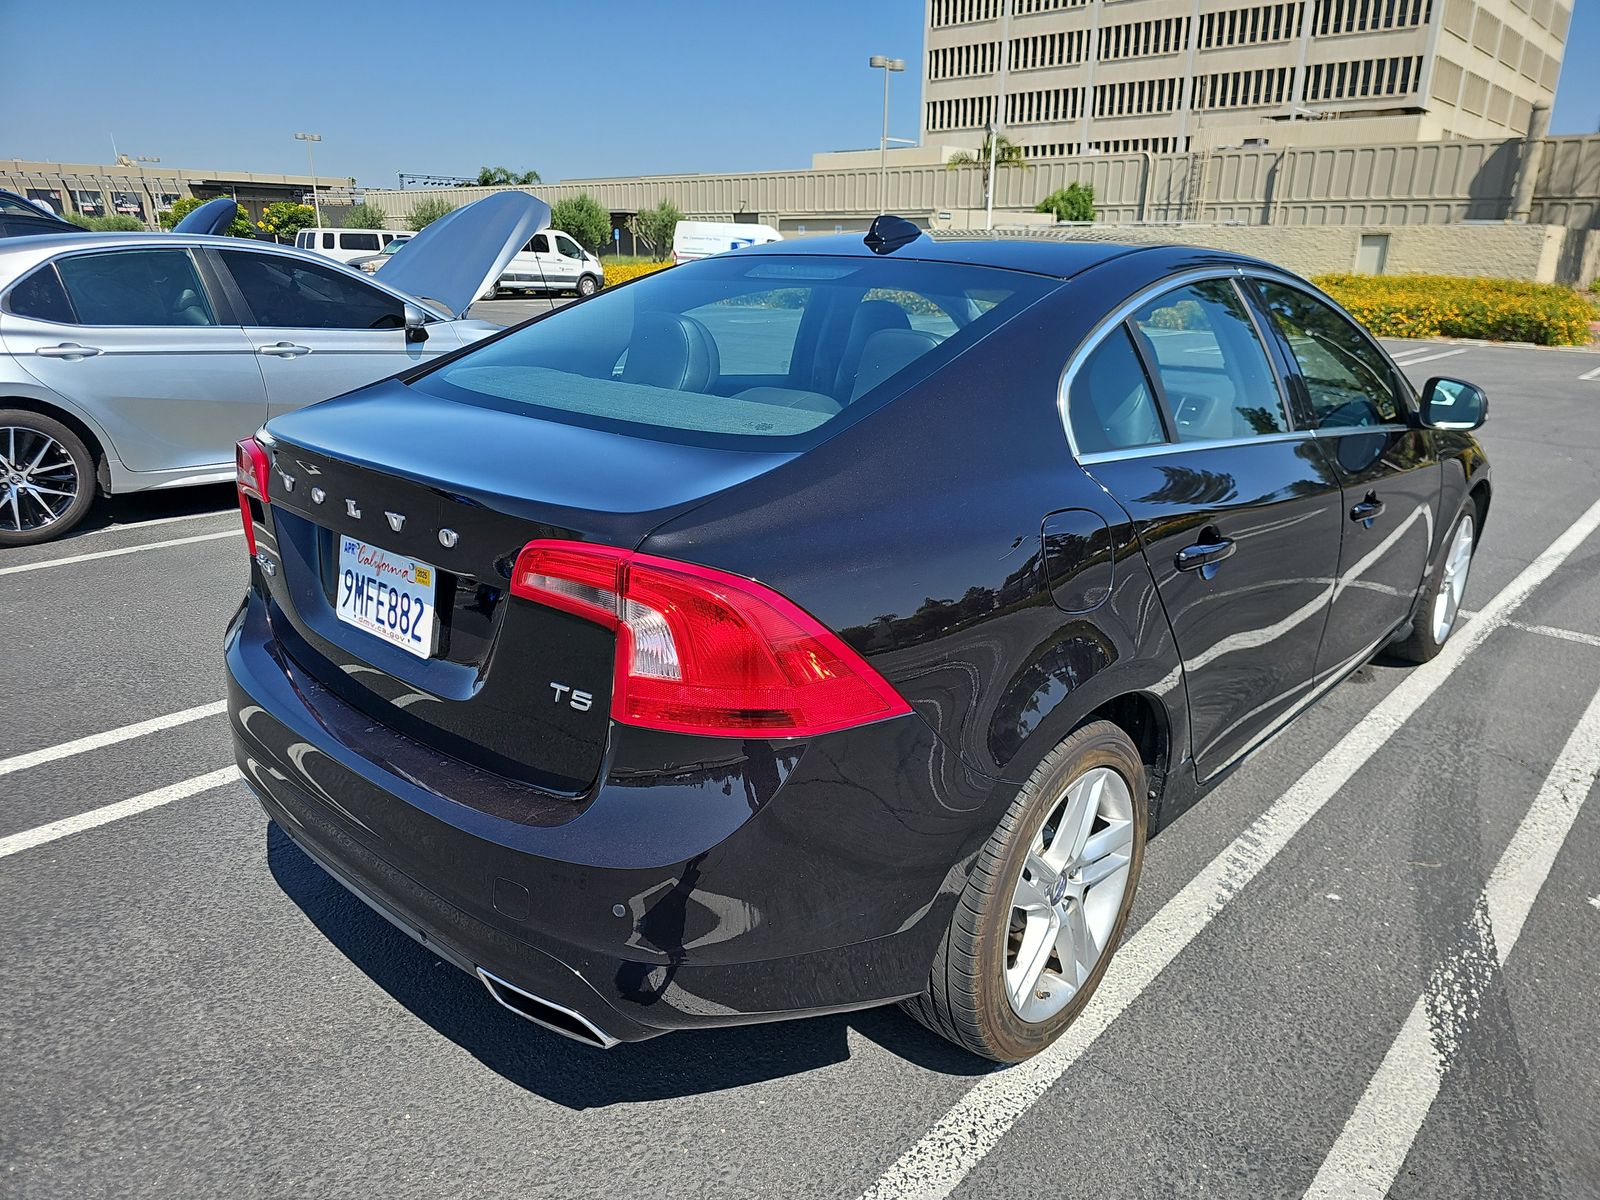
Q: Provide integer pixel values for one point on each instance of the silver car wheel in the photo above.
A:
(1067, 898)
(39, 478)
(1454, 584)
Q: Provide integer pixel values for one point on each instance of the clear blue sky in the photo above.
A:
(572, 90)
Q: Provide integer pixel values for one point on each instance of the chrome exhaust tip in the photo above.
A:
(554, 1017)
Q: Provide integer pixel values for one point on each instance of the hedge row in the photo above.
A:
(622, 272)
(1501, 310)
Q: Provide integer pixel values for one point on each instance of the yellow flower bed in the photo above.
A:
(622, 272)
(1501, 310)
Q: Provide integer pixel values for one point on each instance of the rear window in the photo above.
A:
(757, 352)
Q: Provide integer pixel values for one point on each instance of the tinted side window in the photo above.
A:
(539, 245)
(1346, 377)
(136, 287)
(1111, 405)
(359, 241)
(41, 296)
(284, 292)
(568, 248)
(327, 241)
(1214, 370)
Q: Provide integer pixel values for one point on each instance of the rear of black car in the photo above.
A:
(631, 793)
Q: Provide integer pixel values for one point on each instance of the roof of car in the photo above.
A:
(1056, 257)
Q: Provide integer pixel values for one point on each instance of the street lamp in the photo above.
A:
(311, 158)
(886, 65)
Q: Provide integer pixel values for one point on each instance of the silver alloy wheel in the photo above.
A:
(39, 478)
(1067, 898)
(1454, 584)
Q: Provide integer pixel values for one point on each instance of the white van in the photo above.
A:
(702, 239)
(346, 244)
(552, 261)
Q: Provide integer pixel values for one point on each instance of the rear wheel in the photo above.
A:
(588, 285)
(1045, 906)
(1439, 608)
(46, 478)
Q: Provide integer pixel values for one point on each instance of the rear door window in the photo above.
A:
(367, 242)
(284, 292)
(136, 287)
(1111, 404)
(741, 350)
(1214, 371)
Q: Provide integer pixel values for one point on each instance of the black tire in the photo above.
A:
(34, 482)
(966, 999)
(1429, 632)
(588, 285)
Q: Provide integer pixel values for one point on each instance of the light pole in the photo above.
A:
(311, 158)
(997, 120)
(886, 65)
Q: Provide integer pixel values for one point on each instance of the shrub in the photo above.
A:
(282, 219)
(1500, 310)
(1075, 202)
(622, 272)
(655, 227)
(584, 219)
(115, 223)
(426, 212)
(365, 216)
(241, 227)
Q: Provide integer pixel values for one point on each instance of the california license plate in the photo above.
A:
(387, 595)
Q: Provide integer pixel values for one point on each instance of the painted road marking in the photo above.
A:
(94, 741)
(39, 835)
(231, 511)
(78, 558)
(1411, 362)
(1594, 374)
(1566, 635)
(944, 1156)
(1372, 1147)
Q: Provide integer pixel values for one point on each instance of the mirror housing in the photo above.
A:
(1453, 404)
(416, 324)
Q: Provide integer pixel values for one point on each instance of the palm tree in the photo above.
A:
(500, 177)
(1006, 154)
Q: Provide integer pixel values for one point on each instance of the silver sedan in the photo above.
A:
(137, 361)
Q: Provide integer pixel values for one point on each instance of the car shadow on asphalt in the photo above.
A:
(566, 1072)
(132, 510)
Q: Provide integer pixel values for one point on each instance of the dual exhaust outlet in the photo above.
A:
(552, 1016)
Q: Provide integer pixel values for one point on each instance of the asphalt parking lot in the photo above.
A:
(1369, 962)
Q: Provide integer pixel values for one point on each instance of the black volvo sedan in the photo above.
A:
(829, 624)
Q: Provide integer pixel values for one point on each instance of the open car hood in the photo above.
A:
(212, 217)
(454, 260)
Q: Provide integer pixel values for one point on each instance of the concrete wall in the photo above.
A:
(1545, 253)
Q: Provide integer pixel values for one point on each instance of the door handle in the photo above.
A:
(1204, 554)
(68, 350)
(284, 350)
(1368, 510)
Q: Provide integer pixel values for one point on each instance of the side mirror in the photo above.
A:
(416, 324)
(1453, 404)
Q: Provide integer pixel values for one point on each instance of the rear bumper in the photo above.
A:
(754, 880)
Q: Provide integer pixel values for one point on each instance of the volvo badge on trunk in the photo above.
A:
(397, 521)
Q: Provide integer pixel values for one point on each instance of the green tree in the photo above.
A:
(655, 227)
(426, 212)
(1075, 202)
(241, 227)
(500, 177)
(584, 219)
(282, 219)
(1006, 154)
(365, 216)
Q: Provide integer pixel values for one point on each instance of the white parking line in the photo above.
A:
(974, 1125)
(1594, 374)
(78, 558)
(1552, 631)
(38, 836)
(230, 511)
(1401, 355)
(1411, 362)
(94, 741)
(1372, 1147)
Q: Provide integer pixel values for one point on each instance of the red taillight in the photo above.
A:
(250, 473)
(701, 651)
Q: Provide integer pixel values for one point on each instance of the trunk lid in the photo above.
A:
(455, 259)
(499, 690)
